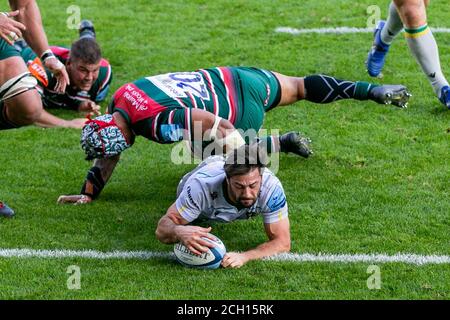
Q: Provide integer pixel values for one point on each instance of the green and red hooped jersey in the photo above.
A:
(72, 97)
(159, 107)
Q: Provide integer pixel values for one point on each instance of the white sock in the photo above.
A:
(393, 25)
(423, 46)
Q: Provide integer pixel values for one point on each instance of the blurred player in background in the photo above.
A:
(412, 16)
(90, 77)
(215, 106)
(20, 103)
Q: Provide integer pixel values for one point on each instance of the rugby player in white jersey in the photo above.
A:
(224, 190)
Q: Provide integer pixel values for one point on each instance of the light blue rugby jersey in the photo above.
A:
(200, 196)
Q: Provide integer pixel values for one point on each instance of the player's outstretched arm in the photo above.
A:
(279, 241)
(96, 180)
(172, 228)
(47, 120)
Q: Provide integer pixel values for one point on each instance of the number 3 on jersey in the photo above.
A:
(181, 84)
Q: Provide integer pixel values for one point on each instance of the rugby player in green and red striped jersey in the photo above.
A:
(209, 105)
(90, 77)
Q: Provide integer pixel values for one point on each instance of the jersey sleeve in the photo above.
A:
(191, 200)
(36, 68)
(173, 125)
(276, 208)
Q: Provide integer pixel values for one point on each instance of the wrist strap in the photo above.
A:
(94, 176)
(213, 131)
(46, 55)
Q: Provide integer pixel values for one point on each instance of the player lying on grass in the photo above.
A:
(209, 105)
(90, 76)
(224, 190)
(410, 15)
(20, 103)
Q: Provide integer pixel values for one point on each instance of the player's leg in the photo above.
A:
(326, 89)
(22, 109)
(261, 91)
(384, 34)
(290, 142)
(423, 46)
(18, 105)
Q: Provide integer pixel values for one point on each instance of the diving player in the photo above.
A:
(209, 105)
(224, 190)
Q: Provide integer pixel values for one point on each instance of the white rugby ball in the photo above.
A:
(210, 259)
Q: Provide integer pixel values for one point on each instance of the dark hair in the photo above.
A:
(86, 50)
(244, 160)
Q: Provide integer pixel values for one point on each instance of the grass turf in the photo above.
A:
(378, 182)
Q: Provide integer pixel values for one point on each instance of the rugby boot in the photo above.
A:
(6, 211)
(295, 142)
(86, 29)
(377, 54)
(396, 95)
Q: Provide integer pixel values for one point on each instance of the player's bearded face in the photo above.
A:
(83, 75)
(244, 189)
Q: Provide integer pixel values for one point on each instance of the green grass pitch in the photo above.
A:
(378, 181)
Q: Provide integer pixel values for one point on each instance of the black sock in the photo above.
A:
(326, 89)
(5, 124)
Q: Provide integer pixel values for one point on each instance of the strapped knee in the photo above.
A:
(17, 85)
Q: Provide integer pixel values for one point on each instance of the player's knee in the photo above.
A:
(25, 109)
(292, 90)
(412, 12)
(300, 84)
(413, 15)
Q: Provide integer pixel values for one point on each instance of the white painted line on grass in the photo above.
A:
(363, 258)
(289, 257)
(340, 30)
(88, 254)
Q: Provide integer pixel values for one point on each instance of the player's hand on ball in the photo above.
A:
(74, 199)
(60, 72)
(234, 260)
(191, 237)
